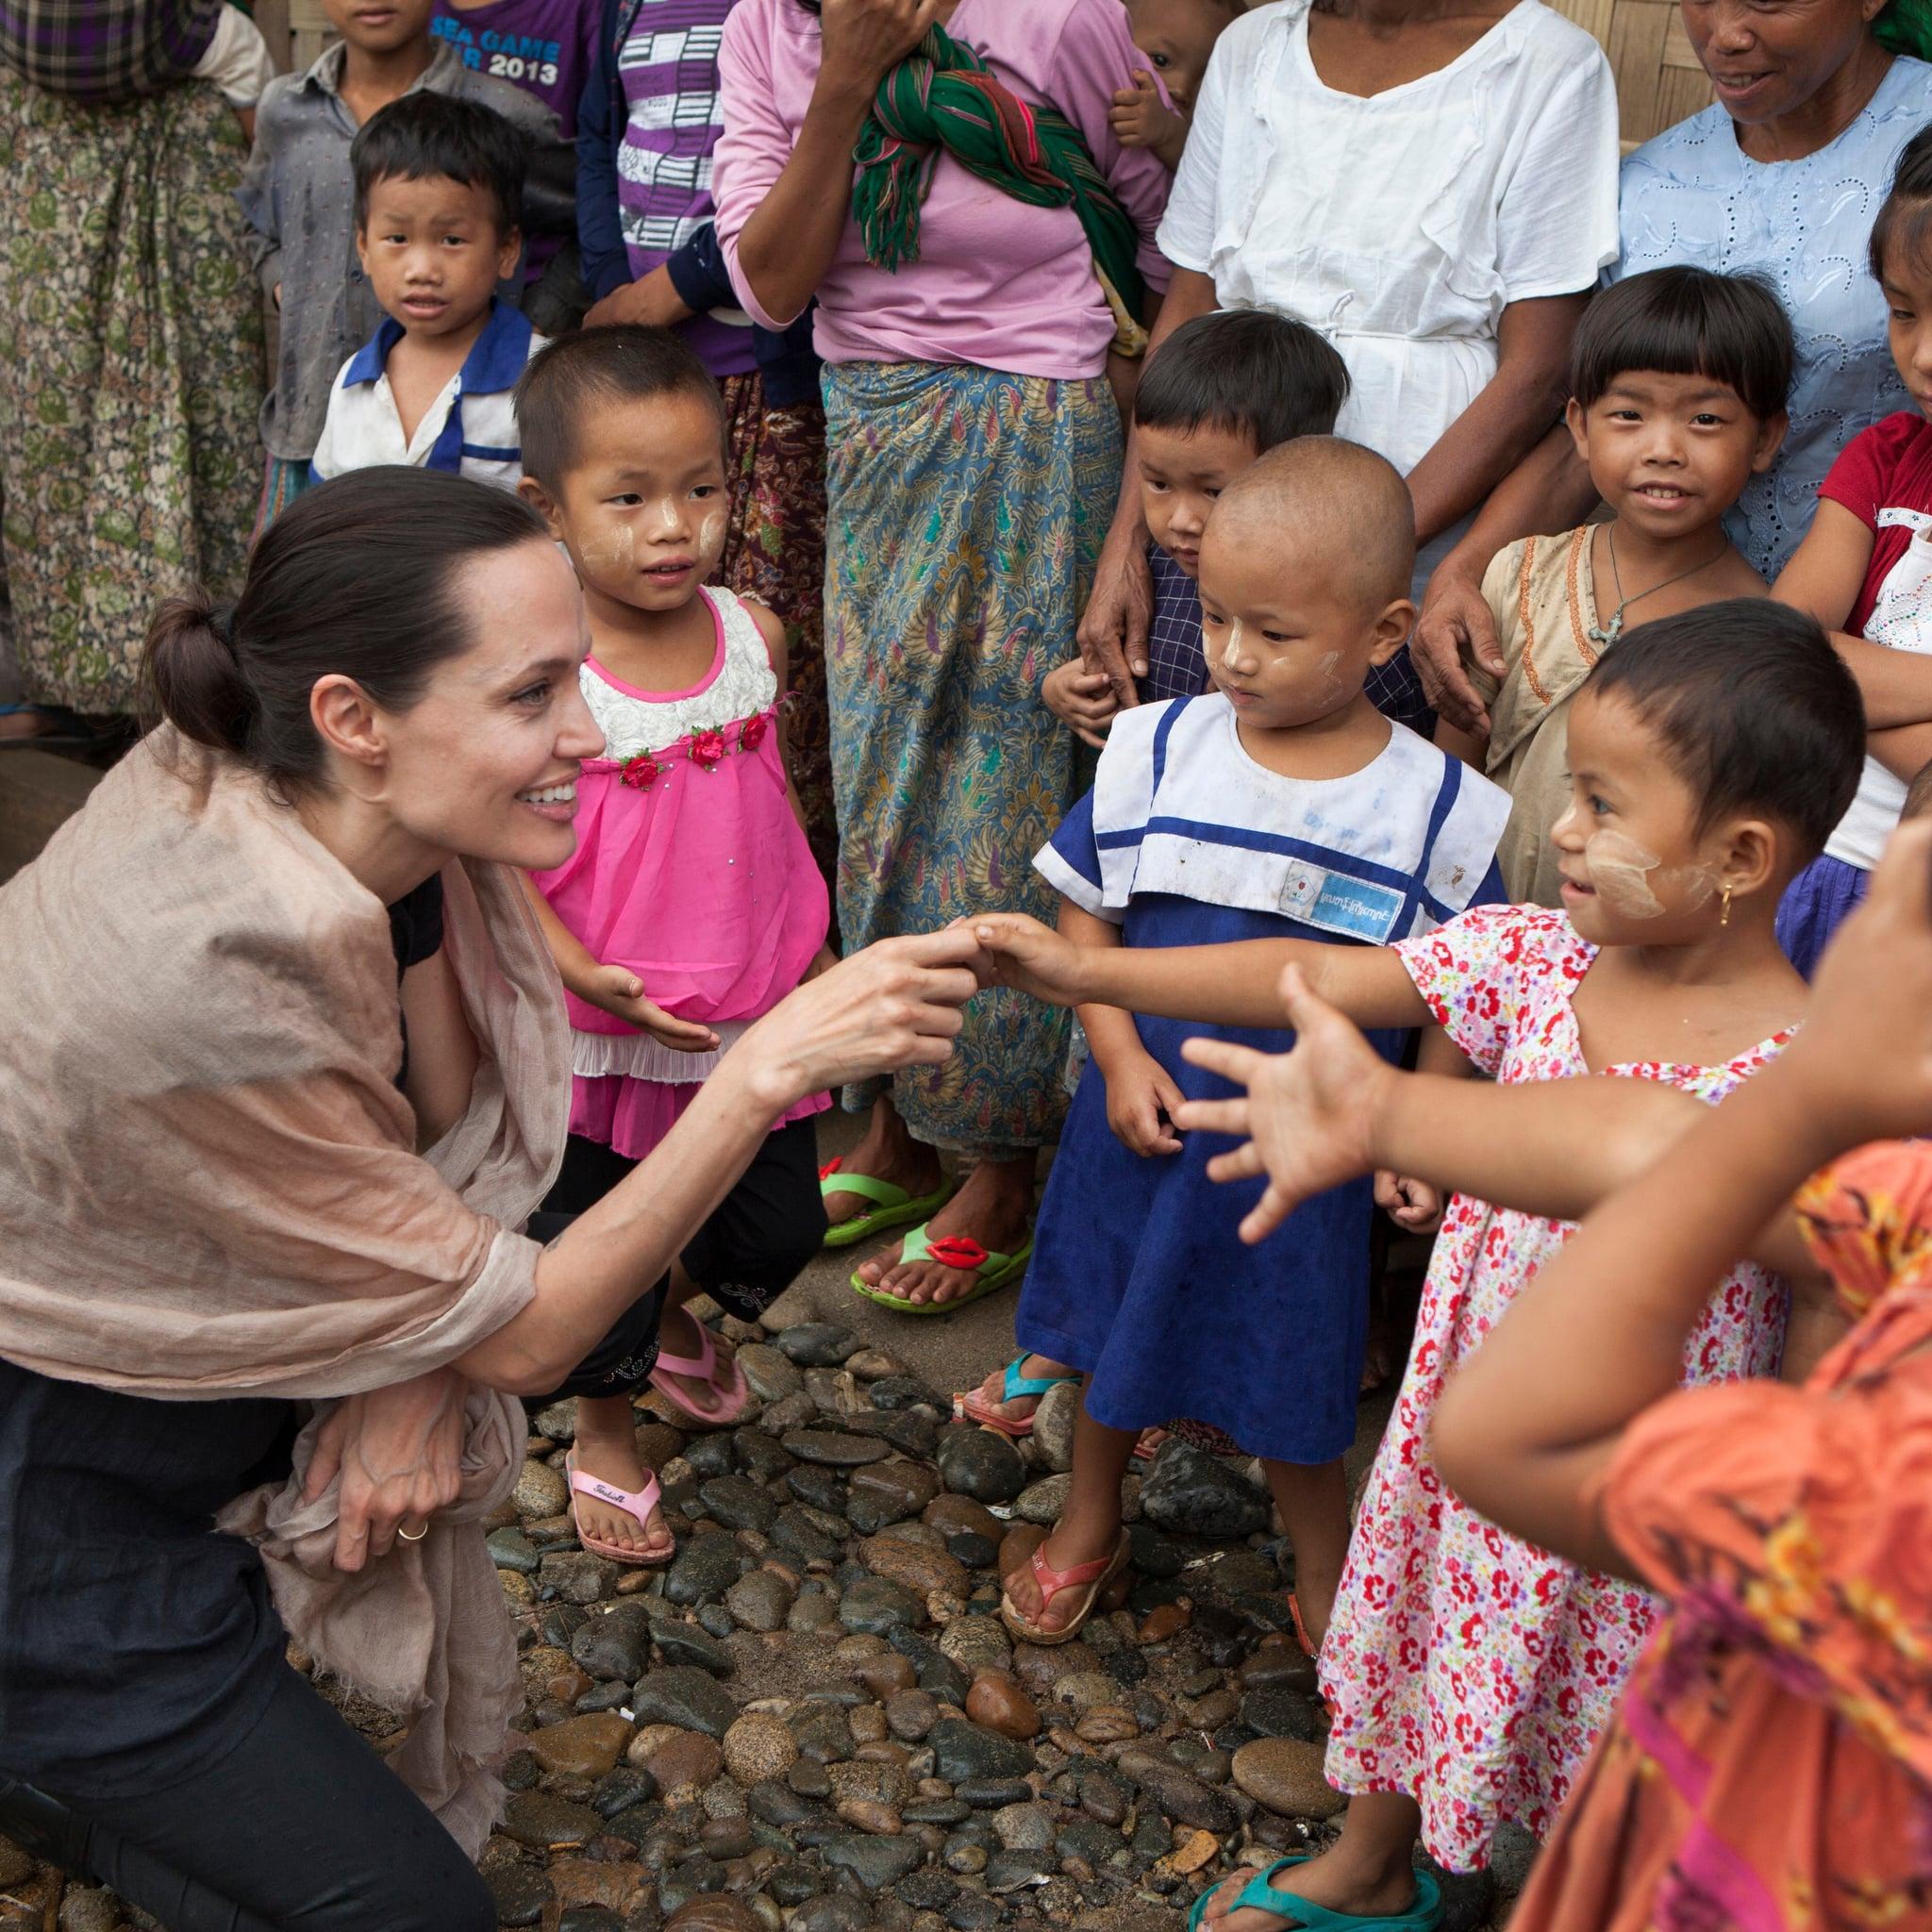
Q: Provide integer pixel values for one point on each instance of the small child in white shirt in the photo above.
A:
(438, 183)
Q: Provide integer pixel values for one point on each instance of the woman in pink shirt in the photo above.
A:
(970, 272)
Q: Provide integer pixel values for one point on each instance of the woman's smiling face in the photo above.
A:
(484, 763)
(1766, 57)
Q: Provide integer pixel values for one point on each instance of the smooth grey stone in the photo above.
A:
(963, 1749)
(703, 1570)
(684, 1695)
(817, 1344)
(876, 1861)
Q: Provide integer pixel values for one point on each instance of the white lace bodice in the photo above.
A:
(742, 686)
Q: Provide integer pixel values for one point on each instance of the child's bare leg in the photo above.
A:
(1365, 1872)
(606, 1448)
(1313, 1501)
(1090, 1526)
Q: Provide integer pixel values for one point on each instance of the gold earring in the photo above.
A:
(1724, 914)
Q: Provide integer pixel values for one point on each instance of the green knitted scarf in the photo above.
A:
(942, 96)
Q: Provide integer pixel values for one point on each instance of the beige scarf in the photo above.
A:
(208, 1186)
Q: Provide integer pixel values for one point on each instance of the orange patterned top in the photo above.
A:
(1770, 1766)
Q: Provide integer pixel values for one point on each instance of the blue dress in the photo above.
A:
(1137, 1273)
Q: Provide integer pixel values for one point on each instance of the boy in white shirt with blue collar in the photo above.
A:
(438, 183)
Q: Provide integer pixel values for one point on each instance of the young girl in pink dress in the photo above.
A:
(691, 905)
(1469, 1673)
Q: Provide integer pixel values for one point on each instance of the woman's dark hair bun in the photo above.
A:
(193, 677)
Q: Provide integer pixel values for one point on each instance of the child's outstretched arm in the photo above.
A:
(1527, 1429)
(1234, 984)
(613, 990)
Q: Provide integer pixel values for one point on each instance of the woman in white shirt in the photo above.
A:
(1433, 185)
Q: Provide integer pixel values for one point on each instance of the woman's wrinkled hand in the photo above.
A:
(1308, 1114)
(1456, 628)
(397, 1454)
(864, 39)
(1113, 627)
(896, 1003)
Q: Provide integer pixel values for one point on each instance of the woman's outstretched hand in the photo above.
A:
(894, 1005)
(399, 1453)
(1308, 1113)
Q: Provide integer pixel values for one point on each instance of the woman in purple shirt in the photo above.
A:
(970, 430)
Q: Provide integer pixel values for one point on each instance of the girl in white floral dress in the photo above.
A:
(1468, 1675)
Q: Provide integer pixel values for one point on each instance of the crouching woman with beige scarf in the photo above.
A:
(242, 1173)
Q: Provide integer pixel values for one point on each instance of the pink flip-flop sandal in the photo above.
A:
(702, 1367)
(638, 1504)
(1091, 1578)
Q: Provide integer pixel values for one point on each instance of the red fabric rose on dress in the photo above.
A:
(707, 748)
(641, 772)
(751, 733)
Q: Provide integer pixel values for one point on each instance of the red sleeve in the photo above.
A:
(1866, 467)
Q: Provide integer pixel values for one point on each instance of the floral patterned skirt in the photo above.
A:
(774, 551)
(131, 341)
(965, 513)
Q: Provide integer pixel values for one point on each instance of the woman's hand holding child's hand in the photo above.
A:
(1141, 1101)
(1082, 699)
(1308, 1113)
(616, 990)
(1412, 1204)
(1031, 958)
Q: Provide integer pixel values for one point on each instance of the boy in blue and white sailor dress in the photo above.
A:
(1139, 1277)
(1281, 806)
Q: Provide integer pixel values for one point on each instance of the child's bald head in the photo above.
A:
(1324, 506)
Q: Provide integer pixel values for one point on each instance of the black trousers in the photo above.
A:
(302, 1828)
(748, 1253)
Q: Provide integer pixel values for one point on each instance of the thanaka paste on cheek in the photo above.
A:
(612, 550)
(1621, 870)
(710, 541)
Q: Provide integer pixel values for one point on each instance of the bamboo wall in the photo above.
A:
(1659, 80)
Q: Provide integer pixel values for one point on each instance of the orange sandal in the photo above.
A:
(1091, 1578)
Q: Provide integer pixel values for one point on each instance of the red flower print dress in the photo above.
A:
(1466, 1668)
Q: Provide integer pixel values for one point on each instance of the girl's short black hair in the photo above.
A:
(625, 363)
(424, 135)
(1243, 369)
(1904, 222)
(1756, 710)
(1687, 321)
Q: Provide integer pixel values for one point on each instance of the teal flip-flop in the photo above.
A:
(1016, 1385)
(895, 1207)
(954, 1250)
(1259, 1897)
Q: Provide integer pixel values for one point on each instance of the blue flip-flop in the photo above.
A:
(1259, 1897)
(968, 1404)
